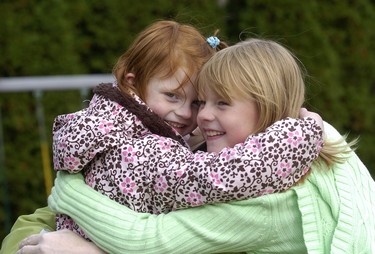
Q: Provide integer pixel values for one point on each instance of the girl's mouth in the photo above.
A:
(211, 133)
(176, 125)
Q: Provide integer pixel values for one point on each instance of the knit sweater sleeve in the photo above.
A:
(238, 226)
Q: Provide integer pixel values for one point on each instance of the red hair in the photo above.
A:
(160, 50)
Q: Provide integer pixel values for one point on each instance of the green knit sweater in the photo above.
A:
(331, 212)
(337, 208)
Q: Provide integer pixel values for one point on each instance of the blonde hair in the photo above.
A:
(269, 74)
(160, 50)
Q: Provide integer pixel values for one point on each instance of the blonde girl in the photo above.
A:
(269, 76)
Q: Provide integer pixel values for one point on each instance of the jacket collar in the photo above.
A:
(149, 119)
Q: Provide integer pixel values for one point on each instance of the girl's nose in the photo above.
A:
(205, 114)
(184, 111)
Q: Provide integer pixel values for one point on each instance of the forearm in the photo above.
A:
(118, 229)
(27, 225)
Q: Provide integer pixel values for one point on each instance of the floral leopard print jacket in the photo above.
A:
(129, 154)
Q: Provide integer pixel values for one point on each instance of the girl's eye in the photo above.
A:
(196, 103)
(201, 103)
(171, 95)
(223, 103)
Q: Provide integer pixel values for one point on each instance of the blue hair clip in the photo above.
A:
(213, 41)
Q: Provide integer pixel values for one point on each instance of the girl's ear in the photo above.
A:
(130, 78)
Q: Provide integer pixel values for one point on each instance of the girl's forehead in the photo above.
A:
(209, 92)
(181, 75)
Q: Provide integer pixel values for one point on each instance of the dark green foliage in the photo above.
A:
(333, 39)
(36, 39)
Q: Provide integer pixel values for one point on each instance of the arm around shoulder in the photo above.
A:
(223, 227)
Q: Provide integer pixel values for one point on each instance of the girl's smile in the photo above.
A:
(219, 121)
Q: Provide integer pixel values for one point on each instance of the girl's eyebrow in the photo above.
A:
(175, 91)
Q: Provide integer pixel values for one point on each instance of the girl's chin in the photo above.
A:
(214, 148)
(180, 131)
(183, 132)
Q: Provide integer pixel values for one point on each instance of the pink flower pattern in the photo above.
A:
(294, 138)
(128, 154)
(71, 116)
(160, 185)
(215, 179)
(284, 169)
(195, 199)
(71, 162)
(254, 145)
(68, 223)
(127, 185)
(164, 143)
(106, 126)
(228, 153)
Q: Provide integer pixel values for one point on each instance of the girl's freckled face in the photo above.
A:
(174, 103)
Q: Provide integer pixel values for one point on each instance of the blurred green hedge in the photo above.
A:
(333, 39)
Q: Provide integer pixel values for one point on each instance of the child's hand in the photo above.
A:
(305, 113)
(58, 242)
